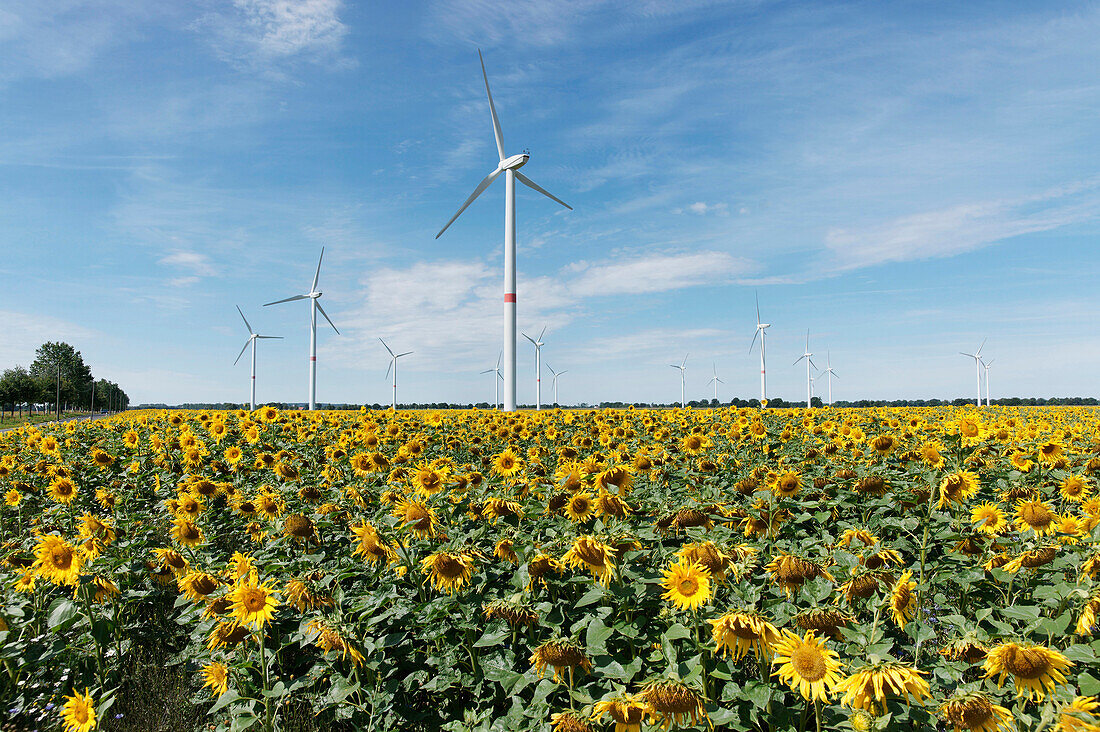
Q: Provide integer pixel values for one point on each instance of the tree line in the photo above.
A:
(58, 379)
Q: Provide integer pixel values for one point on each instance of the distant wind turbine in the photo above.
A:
(555, 381)
(830, 375)
(715, 380)
(977, 356)
(510, 167)
(761, 329)
(252, 338)
(986, 365)
(809, 377)
(538, 344)
(314, 305)
(393, 365)
(496, 380)
(683, 368)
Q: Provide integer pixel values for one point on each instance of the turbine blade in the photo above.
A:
(288, 299)
(978, 352)
(406, 353)
(246, 325)
(528, 338)
(386, 345)
(970, 355)
(799, 359)
(485, 182)
(388, 368)
(542, 333)
(535, 187)
(754, 335)
(563, 372)
(242, 351)
(270, 337)
(317, 274)
(758, 308)
(488, 371)
(492, 108)
(499, 355)
(328, 318)
(500, 376)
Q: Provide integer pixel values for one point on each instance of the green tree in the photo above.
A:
(17, 388)
(74, 373)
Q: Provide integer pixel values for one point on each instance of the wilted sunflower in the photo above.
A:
(902, 600)
(673, 702)
(1036, 516)
(560, 654)
(329, 639)
(568, 722)
(299, 526)
(792, 571)
(957, 488)
(1050, 452)
(988, 518)
(707, 554)
(417, 517)
(196, 586)
(1036, 670)
(870, 686)
(975, 712)
(1086, 621)
(590, 553)
(687, 585)
(57, 561)
(216, 676)
(186, 532)
(1032, 558)
(515, 613)
(626, 711)
(541, 565)
(610, 504)
(226, 634)
(448, 571)
(968, 649)
(825, 620)
(78, 714)
(1080, 715)
(254, 602)
(741, 631)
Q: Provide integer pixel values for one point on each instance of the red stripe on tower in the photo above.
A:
(509, 297)
(312, 358)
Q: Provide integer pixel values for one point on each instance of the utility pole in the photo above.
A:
(59, 389)
(92, 408)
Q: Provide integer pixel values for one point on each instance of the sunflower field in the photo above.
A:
(626, 570)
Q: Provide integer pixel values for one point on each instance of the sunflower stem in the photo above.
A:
(572, 706)
(267, 687)
(817, 714)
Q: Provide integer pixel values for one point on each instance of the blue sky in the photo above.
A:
(903, 179)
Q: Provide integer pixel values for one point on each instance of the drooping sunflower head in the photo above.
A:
(561, 655)
(515, 613)
(825, 620)
(674, 703)
(708, 555)
(568, 722)
(627, 711)
(589, 552)
(1035, 670)
(186, 532)
(1035, 516)
(975, 712)
(903, 601)
(298, 526)
(1050, 451)
(448, 571)
(969, 650)
(196, 586)
(957, 488)
(741, 631)
(62, 490)
(1080, 715)
(580, 507)
(869, 687)
(418, 517)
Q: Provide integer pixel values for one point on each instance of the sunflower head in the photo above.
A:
(687, 585)
(673, 702)
(560, 654)
(975, 712)
(1036, 670)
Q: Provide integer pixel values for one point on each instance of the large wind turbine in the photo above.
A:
(510, 167)
(496, 380)
(830, 375)
(393, 365)
(809, 377)
(986, 365)
(538, 344)
(760, 331)
(314, 306)
(252, 338)
(715, 380)
(977, 368)
(555, 381)
(683, 368)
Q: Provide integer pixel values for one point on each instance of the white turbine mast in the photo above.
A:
(252, 338)
(986, 365)
(809, 377)
(496, 380)
(510, 167)
(393, 365)
(538, 344)
(555, 381)
(715, 380)
(314, 297)
(830, 375)
(761, 329)
(683, 367)
(977, 356)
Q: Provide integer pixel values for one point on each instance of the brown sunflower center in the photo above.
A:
(254, 600)
(809, 663)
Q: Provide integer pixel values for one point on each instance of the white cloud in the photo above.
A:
(195, 262)
(24, 332)
(657, 273)
(700, 208)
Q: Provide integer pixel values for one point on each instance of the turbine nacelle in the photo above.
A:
(514, 163)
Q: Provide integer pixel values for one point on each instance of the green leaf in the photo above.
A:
(1030, 613)
(676, 632)
(757, 692)
(1088, 684)
(595, 594)
(492, 637)
(62, 611)
(596, 637)
(224, 700)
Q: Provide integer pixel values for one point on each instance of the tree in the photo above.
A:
(74, 373)
(17, 388)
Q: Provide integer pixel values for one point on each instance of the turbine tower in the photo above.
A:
(715, 380)
(314, 305)
(538, 344)
(809, 377)
(986, 365)
(496, 380)
(510, 167)
(555, 381)
(393, 365)
(683, 368)
(977, 356)
(760, 331)
(830, 375)
(252, 338)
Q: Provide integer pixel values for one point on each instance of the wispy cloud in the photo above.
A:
(655, 273)
(24, 332)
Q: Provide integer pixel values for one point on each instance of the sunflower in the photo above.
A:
(590, 553)
(968, 650)
(1081, 715)
(673, 702)
(1035, 670)
(568, 722)
(957, 488)
(625, 711)
(932, 454)
(1075, 488)
(216, 676)
(428, 481)
(792, 571)
(1021, 462)
(417, 517)
(968, 427)
(786, 485)
(13, 497)
(78, 714)
(1086, 621)
(1035, 515)
(988, 518)
(871, 685)
(974, 712)
(806, 665)
(329, 639)
(902, 600)
(687, 585)
(62, 490)
(448, 571)
(883, 445)
(57, 561)
(825, 620)
(540, 566)
(742, 631)
(709, 555)
(1050, 452)
(196, 586)
(507, 464)
(580, 507)
(299, 526)
(186, 532)
(253, 602)
(226, 634)
(516, 614)
(560, 654)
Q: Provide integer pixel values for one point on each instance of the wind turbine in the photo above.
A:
(682, 367)
(760, 331)
(496, 380)
(555, 381)
(538, 344)
(510, 167)
(809, 378)
(393, 365)
(986, 365)
(715, 380)
(830, 375)
(977, 368)
(252, 338)
(314, 306)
